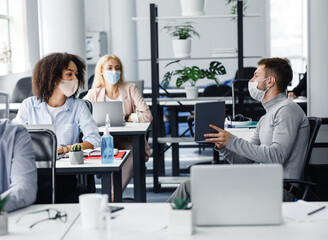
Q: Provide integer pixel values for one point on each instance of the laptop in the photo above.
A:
(208, 113)
(41, 126)
(114, 109)
(244, 194)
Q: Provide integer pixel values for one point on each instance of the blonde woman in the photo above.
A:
(109, 85)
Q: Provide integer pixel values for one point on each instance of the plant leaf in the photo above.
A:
(217, 68)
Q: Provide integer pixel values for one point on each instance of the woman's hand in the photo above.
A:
(292, 95)
(221, 138)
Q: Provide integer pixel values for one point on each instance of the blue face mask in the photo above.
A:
(112, 77)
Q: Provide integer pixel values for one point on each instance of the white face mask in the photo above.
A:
(256, 93)
(112, 77)
(68, 87)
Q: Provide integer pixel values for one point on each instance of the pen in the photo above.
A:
(317, 210)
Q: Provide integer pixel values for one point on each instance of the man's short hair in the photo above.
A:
(278, 68)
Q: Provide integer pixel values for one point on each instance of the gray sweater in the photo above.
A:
(281, 136)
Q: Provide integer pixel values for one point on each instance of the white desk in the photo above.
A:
(148, 221)
(94, 166)
(51, 229)
(137, 131)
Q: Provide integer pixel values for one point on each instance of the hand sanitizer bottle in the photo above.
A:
(107, 144)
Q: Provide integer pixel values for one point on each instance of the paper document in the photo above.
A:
(300, 211)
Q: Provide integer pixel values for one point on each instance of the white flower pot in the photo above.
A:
(181, 48)
(3, 223)
(5, 68)
(191, 92)
(192, 7)
(181, 222)
(76, 158)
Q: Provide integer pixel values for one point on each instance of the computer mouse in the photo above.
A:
(115, 151)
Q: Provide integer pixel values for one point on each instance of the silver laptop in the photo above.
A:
(41, 126)
(208, 113)
(244, 194)
(114, 109)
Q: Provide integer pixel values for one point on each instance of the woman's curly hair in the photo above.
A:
(48, 72)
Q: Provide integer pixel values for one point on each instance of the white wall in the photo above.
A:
(214, 33)
(318, 52)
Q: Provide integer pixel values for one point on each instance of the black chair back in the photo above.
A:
(44, 143)
(215, 91)
(22, 90)
(89, 105)
(315, 123)
(90, 81)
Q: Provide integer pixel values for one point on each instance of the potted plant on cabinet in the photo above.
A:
(3, 217)
(181, 217)
(184, 32)
(192, 75)
(192, 7)
(76, 155)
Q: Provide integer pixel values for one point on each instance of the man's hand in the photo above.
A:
(221, 138)
(292, 95)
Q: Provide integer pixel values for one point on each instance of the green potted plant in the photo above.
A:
(181, 217)
(192, 75)
(3, 217)
(183, 32)
(76, 155)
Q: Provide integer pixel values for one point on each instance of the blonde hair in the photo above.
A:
(99, 80)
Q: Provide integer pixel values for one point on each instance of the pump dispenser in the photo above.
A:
(107, 144)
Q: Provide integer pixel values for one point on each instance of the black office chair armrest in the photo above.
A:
(299, 182)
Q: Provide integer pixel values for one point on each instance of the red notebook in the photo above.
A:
(119, 156)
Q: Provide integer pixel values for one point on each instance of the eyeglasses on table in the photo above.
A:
(53, 214)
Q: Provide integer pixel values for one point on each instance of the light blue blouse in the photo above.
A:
(73, 117)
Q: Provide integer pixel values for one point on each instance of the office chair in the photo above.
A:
(87, 180)
(140, 85)
(22, 90)
(4, 105)
(44, 143)
(90, 81)
(304, 181)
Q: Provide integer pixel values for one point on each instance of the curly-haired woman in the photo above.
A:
(55, 82)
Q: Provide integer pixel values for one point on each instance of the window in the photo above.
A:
(13, 39)
(288, 33)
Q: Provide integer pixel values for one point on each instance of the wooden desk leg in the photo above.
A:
(106, 185)
(117, 178)
(139, 170)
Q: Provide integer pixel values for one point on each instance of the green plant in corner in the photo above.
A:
(3, 202)
(76, 148)
(181, 204)
(193, 74)
(182, 31)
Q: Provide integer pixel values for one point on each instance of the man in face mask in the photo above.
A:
(282, 134)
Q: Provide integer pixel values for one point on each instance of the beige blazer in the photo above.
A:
(132, 101)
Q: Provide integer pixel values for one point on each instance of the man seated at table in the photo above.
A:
(18, 175)
(282, 134)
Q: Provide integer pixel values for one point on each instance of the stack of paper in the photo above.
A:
(224, 52)
(302, 211)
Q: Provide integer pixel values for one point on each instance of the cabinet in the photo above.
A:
(155, 74)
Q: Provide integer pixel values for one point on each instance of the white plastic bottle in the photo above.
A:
(107, 144)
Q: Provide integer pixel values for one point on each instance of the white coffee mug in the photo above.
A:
(91, 207)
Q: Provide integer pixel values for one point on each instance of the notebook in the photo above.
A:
(208, 113)
(244, 194)
(114, 109)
